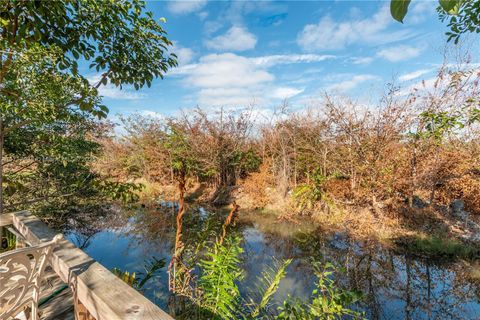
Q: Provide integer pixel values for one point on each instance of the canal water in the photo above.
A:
(395, 285)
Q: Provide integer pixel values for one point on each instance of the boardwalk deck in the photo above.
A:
(60, 306)
(98, 293)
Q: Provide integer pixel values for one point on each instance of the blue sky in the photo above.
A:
(236, 54)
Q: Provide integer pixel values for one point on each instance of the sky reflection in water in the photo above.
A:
(396, 286)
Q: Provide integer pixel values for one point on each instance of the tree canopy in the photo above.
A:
(119, 38)
(48, 108)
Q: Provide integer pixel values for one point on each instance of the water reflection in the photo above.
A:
(396, 285)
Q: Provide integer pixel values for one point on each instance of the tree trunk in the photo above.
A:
(413, 177)
(176, 257)
(1, 163)
(181, 211)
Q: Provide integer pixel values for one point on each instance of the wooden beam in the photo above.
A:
(104, 295)
(6, 219)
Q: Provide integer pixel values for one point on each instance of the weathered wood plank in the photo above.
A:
(59, 307)
(6, 219)
(104, 295)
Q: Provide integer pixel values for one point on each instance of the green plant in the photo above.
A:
(217, 282)
(138, 280)
(328, 300)
(307, 194)
(10, 240)
(440, 246)
(127, 277)
(269, 283)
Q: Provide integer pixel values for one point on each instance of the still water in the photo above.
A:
(396, 285)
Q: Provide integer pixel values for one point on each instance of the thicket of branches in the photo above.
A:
(421, 143)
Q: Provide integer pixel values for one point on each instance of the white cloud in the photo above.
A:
(235, 39)
(112, 92)
(202, 15)
(285, 92)
(230, 79)
(227, 70)
(351, 83)
(210, 27)
(362, 60)
(419, 12)
(152, 114)
(266, 61)
(436, 82)
(237, 13)
(227, 78)
(185, 6)
(423, 85)
(414, 75)
(400, 53)
(272, 60)
(329, 34)
(184, 55)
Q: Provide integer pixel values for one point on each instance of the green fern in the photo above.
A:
(217, 282)
(270, 281)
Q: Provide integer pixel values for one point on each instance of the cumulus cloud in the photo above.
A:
(235, 39)
(400, 53)
(227, 78)
(329, 34)
(230, 79)
(227, 70)
(185, 6)
(351, 83)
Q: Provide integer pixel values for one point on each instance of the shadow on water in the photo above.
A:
(396, 285)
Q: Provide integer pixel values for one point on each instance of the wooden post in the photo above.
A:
(5, 220)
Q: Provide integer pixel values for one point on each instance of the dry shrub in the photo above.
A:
(458, 178)
(258, 187)
(339, 189)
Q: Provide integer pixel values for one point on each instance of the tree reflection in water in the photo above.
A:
(396, 285)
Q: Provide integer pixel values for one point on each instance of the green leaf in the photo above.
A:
(448, 5)
(399, 9)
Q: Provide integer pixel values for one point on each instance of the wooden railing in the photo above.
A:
(98, 293)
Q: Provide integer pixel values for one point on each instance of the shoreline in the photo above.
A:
(430, 232)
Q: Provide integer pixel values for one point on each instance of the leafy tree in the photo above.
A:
(463, 16)
(47, 108)
(119, 38)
